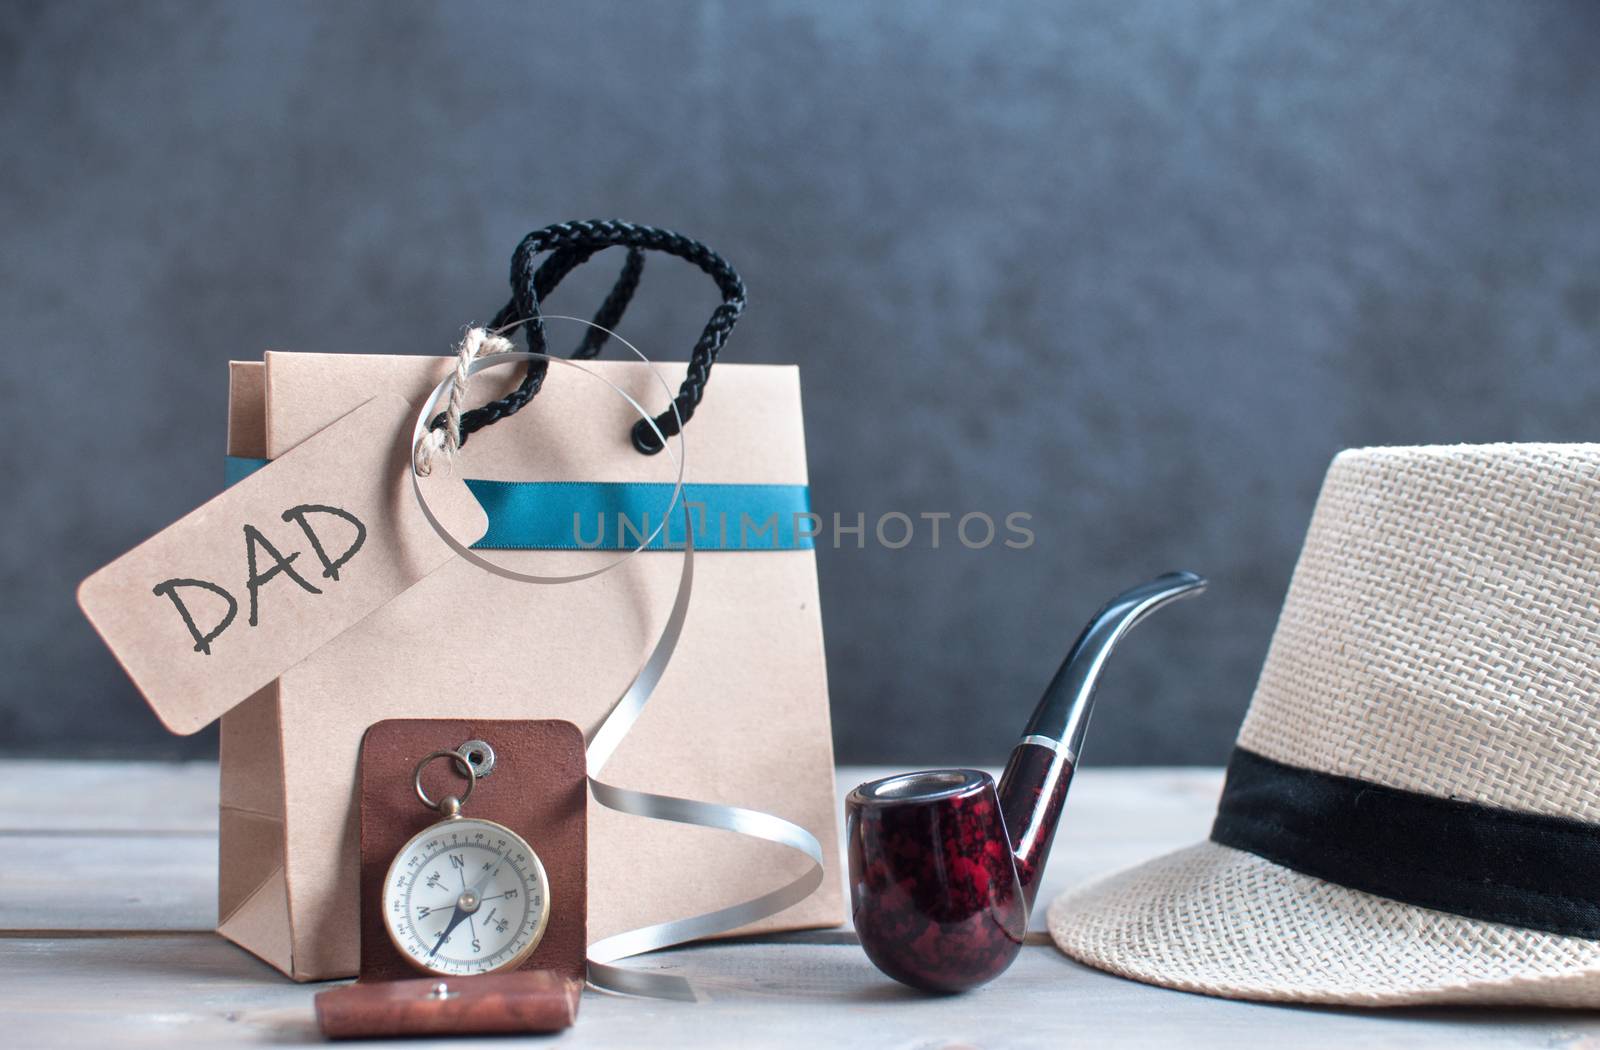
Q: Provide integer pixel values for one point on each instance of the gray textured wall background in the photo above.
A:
(1138, 268)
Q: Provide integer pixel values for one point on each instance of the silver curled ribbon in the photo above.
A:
(603, 955)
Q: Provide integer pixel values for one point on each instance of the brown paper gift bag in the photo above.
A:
(740, 717)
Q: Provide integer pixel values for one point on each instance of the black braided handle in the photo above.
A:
(570, 245)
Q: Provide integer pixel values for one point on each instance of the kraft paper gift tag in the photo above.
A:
(358, 463)
(223, 601)
(740, 717)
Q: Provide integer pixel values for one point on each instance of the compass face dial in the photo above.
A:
(465, 897)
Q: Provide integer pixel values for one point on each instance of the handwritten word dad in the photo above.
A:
(256, 578)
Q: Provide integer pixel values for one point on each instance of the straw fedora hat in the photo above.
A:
(1412, 811)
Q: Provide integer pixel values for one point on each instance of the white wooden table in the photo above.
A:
(107, 899)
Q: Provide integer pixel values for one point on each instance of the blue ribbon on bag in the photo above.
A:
(617, 516)
(236, 468)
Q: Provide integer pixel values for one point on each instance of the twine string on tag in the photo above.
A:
(446, 440)
(620, 718)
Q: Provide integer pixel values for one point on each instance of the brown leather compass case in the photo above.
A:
(539, 790)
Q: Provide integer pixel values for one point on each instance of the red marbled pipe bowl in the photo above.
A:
(933, 887)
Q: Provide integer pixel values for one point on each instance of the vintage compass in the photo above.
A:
(464, 896)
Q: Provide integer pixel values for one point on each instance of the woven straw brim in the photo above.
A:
(1223, 922)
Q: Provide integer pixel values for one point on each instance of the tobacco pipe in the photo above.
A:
(944, 866)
